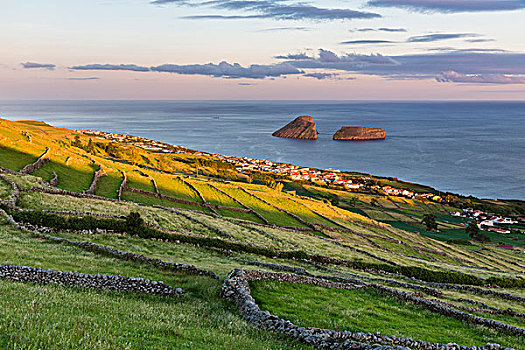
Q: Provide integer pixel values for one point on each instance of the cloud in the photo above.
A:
(419, 66)
(473, 65)
(390, 30)
(275, 9)
(324, 76)
(232, 71)
(451, 49)
(246, 84)
(82, 79)
(285, 29)
(33, 65)
(297, 56)
(126, 67)
(321, 76)
(479, 40)
(356, 42)
(455, 77)
(223, 69)
(439, 36)
(451, 6)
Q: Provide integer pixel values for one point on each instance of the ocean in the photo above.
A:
(471, 148)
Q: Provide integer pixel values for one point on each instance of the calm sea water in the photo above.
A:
(473, 148)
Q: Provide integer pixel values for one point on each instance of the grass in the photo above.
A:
(15, 160)
(365, 310)
(150, 200)
(54, 317)
(74, 174)
(140, 182)
(175, 187)
(293, 207)
(108, 186)
(458, 233)
(271, 214)
(5, 190)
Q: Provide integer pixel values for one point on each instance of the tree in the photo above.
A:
(134, 222)
(90, 147)
(374, 202)
(472, 229)
(353, 201)
(430, 222)
(77, 142)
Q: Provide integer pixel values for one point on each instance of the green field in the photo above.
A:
(366, 310)
(15, 160)
(54, 317)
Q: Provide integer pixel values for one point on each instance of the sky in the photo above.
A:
(264, 49)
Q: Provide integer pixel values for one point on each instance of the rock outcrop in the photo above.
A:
(359, 133)
(302, 127)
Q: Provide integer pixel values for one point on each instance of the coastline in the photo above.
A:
(460, 151)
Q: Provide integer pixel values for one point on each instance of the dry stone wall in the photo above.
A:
(236, 287)
(77, 279)
(43, 159)
(98, 174)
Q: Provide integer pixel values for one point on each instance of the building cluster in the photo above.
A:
(487, 221)
(391, 191)
(147, 144)
(328, 176)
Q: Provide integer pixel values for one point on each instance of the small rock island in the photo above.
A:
(349, 133)
(302, 127)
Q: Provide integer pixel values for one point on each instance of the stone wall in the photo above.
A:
(447, 311)
(98, 174)
(54, 181)
(236, 287)
(68, 278)
(43, 159)
(98, 248)
(122, 185)
(15, 194)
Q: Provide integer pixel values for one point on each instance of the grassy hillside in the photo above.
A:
(219, 223)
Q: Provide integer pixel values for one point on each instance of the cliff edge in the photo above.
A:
(359, 133)
(302, 127)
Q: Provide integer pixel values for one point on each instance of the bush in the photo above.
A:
(459, 241)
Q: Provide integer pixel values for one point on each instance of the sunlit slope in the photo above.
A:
(247, 212)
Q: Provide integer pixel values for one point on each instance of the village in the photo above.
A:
(489, 222)
(245, 165)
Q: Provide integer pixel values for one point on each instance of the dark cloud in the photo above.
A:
(324, 76)
(276, 9)
(127, 67)
(33, 65)
(451, 6)
(455, 77)
(422, 66)
(356, 42)
(232, 71)
(440, 36)
(223, 69)
(296, 56)
(320, 76)
(390, 30)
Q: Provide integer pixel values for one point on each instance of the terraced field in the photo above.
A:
(210, 238)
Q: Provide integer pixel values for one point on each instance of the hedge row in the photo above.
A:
(131, 226)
